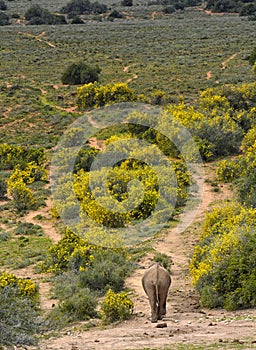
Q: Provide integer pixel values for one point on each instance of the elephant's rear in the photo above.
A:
(156, 282)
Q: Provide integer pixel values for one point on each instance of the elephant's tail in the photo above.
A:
(157, 283)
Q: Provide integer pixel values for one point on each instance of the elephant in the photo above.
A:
(156, 282)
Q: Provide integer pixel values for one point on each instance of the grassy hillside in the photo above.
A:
(173, 54)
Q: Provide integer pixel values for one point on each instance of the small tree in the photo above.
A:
(80, 73)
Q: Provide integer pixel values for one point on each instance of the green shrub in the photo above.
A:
(80, 73)
(3, 188)
(242, 171)
(84, 159)
(38, 15)
(80, 305)
(4, 236)
(4, 19)
(115, 14)
(248, 9)
(77, 20)
(169, 9)
(116, 307)
(246, 186)
(108, 269)
(19, 318)
(79, 7)
(28, 228)
(164, 260)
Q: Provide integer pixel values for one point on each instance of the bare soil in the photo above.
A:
(185, 322)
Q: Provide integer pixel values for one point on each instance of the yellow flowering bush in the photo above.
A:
(229, 170)
(32, 172)
(22, 196)
(223, 263)
(116, 307)
(242, 170)
(25, 287)
(11, 156)
(71, 251)
(96, 95)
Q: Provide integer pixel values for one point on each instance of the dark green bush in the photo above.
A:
(222, 135)
(38, 15)
(80, 7)
(84, 159)
(77, 20)
(169, 9)
(115, 14)
(127, 2)
(108, 270)
(80, 73)
(3, 6)
(4, 19)
(80, 305)
(248, 9)
(27, 228)
(234, 280)
(3, 188)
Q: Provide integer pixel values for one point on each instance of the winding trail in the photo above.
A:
(134, 77)
(39, 38)
(224, 63)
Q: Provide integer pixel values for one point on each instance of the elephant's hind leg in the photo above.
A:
(153, 304)
(162, 306)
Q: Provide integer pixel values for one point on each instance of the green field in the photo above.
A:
(173, 53)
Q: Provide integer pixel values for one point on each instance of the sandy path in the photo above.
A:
(39, 38)
(46, 222)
